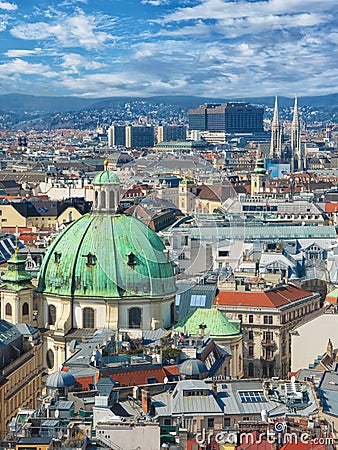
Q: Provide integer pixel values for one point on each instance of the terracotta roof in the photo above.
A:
(141, 376)
(331, 207)
(304, 446)
(273, 298)
(261, 444)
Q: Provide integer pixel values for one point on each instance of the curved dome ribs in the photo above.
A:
(109, 256)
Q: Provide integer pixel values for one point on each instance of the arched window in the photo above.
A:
(25, 309)
(88, 318)
(135, 315)
(51, 315)
(172, 312)
(103, 200)
(50, 359)
(112, 205)
(8, 309)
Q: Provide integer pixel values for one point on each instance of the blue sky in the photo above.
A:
(100, 48)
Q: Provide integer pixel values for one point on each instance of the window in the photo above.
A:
(57, 257)
(223, 253)
(251, 335)
(50, 359)
(88, 318)
(250, 318)
(135, 315)
(178, 300)
(51, 315)
(8, 309)
(210, 423)
(251, 350)
(227, 422)
(167, 422)
(268, 320)
(240, 317)
(198, 300)
(268, 336)
(251, 396)
(172, 312)
(25, 309)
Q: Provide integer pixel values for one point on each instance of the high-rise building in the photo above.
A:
(229, 117)
(168, 133)
(139, 136)
(116, 136)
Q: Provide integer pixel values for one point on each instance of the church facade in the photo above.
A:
(105, 270)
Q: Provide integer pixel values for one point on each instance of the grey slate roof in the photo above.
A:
(176, 403)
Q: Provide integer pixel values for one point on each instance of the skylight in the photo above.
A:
(251, 396)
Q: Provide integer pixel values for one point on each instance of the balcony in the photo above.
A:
(268, 358)
(268, 343)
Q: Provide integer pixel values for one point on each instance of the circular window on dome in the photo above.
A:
(50, 359)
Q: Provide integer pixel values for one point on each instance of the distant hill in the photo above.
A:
(29, 103)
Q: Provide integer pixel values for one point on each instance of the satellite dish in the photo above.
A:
(293, 379)
(165, 381)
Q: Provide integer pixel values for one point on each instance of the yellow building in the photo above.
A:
(40, 214)
(20, 374)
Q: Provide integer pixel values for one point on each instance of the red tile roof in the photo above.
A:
(303, 446)
(331, 207)
(273, 298)
(140, 377)
(248, 442)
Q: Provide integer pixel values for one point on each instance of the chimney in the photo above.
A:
(214, 389)
(145, 401)
(329, 348)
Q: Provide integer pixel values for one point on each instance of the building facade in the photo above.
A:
(268, 318)
(139, 136)
(20, 373)
(230, 117)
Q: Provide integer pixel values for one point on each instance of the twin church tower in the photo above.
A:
(276, 146)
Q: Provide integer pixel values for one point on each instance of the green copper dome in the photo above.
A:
(215, 322)
(16, 276)
(105, 177)
(110, 256)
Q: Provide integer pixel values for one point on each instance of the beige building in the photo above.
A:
(47, 214)
(268, 316)
(20, 374)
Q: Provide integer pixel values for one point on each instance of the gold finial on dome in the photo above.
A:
(106, 161)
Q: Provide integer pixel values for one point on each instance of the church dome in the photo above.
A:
(193, 368)
(60, 379)
(105, 177)
(107, 256)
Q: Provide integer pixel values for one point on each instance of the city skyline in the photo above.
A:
(166, 47)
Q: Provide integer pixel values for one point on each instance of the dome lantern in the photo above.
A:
(107, 192)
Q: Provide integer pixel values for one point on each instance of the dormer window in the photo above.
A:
(131, 259)
(57, 257)
(91, 259)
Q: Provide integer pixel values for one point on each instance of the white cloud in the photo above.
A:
(15, 53)
(8, 6)
(18, 67)
(74, 62)
(154, 2)
(79, 30)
